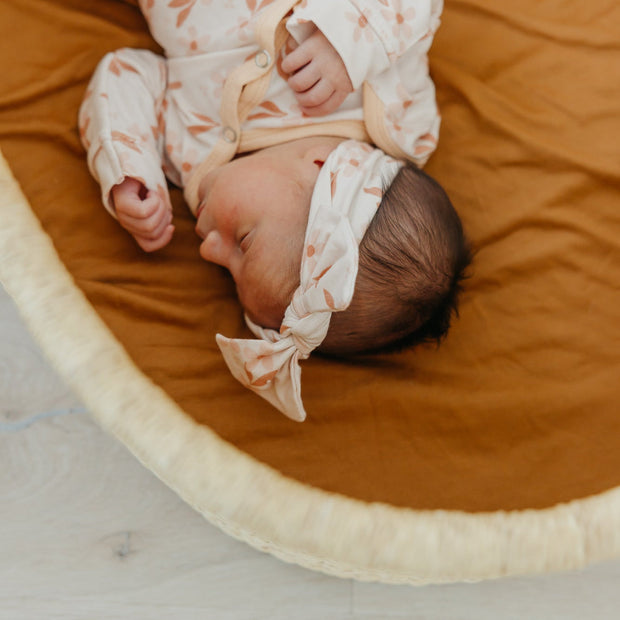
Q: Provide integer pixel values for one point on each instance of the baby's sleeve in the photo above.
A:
(369, 35)
(121, 121)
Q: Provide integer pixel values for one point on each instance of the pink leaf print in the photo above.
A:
(252, 5)
(329, 300)
(422, 149)
(272, 107)
(272, 110)
(317, 278)
(375, 191)
(263, 379)
(425, 144)
(182, 16)
(198, 129)
(204, 117)
(207, 124)
(428, 137)
(160, 128)
(333, 178)
(117, 65)
(128, 141)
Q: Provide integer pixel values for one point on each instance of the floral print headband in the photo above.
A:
(344, 201)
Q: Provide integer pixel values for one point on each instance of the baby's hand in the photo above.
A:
(319, 78)
(143, 213)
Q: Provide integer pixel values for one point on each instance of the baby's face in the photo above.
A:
(252, 218)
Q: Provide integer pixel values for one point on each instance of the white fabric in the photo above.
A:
(143, 112)
(345, 199)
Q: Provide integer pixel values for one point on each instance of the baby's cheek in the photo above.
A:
(261, 299)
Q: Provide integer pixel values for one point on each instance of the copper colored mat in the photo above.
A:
(519, 408)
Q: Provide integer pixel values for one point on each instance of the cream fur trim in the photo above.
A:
(249, 500)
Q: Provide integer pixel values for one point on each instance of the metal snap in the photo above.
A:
(230, 135)
(262, 59)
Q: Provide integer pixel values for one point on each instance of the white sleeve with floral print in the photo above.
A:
(121, 121)
(369, 35)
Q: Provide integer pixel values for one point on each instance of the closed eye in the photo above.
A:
(244, 242)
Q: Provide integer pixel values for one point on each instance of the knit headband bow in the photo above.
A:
(344, 201)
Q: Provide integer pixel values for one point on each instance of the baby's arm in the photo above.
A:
(121, 127)
(319, 78)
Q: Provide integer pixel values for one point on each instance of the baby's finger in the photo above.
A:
(149, 228)
(297, 59)
(162, 197)
(304, 79)
(290, 45)
(151, 245)
(139, 209)
(331, 104)
(315, 96)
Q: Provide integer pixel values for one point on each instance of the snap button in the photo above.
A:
(230, 135)
(262, 59)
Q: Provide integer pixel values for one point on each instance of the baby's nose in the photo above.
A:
(213, 248)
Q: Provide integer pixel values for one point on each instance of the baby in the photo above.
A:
(303, 98)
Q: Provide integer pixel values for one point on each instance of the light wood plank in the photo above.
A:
(86, 524)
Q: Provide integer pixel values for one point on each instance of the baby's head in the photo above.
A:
(412, 261)
(361, 254)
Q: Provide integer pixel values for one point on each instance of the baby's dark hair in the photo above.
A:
(412, 262)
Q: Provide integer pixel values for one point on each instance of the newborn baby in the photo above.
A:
(264, 116)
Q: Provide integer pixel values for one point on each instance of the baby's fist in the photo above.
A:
(143, 213)
(319, 77)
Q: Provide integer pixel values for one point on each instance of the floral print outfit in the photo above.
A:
(219, 90)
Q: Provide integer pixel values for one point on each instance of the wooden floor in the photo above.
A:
(87, 532)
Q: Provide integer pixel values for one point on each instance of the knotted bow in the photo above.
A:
(348, 191)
